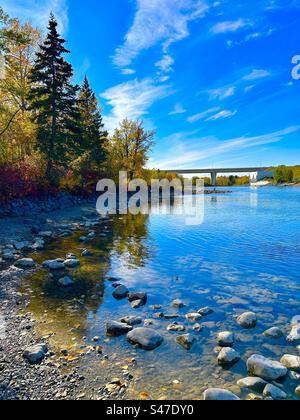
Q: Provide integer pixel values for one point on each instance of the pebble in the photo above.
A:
(205, 311)
(177, 303)
(176, 327)
(66, 281)
(193, 317)
(35, 354)
(186, 341)
(228, 356)
(226, 339)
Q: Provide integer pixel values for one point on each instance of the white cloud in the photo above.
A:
(183, 158)
(158, 22)
(38, 11)
(128, 72)
(133, 99)
(222, 115)
(230, 26)
(178, 109)
(202, 115)
(222, 93)
(257, 74)
(165, 64)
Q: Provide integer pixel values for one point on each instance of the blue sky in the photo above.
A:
(213, 78)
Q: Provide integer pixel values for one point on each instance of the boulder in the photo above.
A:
(216, 394)
(274, 333)
(131, 320)
(35, 354)
(228, 356)
(247, 320)
(291, 362)
(266, 369)
(25, 263)
(186, 341)
(120, 292)
(146, 338)
(116, 329)
(274, 392)
(253, 383)
(205, 311)
(226, 339)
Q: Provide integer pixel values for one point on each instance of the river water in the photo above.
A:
(244, 256)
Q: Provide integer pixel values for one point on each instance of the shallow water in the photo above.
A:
(245, 256)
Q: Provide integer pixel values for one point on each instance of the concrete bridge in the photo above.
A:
(260, 171)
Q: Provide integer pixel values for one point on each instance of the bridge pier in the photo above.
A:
(214, 179)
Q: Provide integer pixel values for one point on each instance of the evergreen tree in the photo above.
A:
(93, 135)
(54, 100)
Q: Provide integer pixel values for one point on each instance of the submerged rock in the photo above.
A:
(120, 292)
(72, 263)
(176, 327)
(137, 304)
(133, 296)
(35, 354)
(131, 320)
(266, 369)
(186, 341)
(54, 265)
(291, 362)
(228, 356)
(205, 311)
(253, 383)
(216, 394)
(274, 333)
(25, 263)
(197, 327)
(116, 329)
(66, 281)
(274, 392)
(86, 253)
(226, 339)
(247, 320)
(193, 317)
(146, 338)
(177, 303)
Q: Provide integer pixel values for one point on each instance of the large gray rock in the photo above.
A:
(274, 392)
(35, 354)
(291, 362)
(186, 341)
(116, 329)
(25, 263)
(146, 338)
(216, 394)
(247, 320)
(266, 369)
(120, 292)
(274, 333)
(226, 339)
(228, 356)
(255, 384)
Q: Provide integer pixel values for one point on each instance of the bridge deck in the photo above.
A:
(215, 170)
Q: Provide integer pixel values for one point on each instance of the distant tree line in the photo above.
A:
(225, 181)
(52, 135)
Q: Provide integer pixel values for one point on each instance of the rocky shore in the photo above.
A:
(28, 367)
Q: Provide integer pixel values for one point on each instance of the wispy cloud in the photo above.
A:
(230, 26)
(133, 99)
(158, 22)
(202, 115)
(178, 109)
(38, 11)
(257, 74)
(189, 150)
(222, 115)
(222, 93)
(165, 64)
(128, 72)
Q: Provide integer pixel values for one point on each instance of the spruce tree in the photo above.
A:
(54, 100)
(93, 135)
